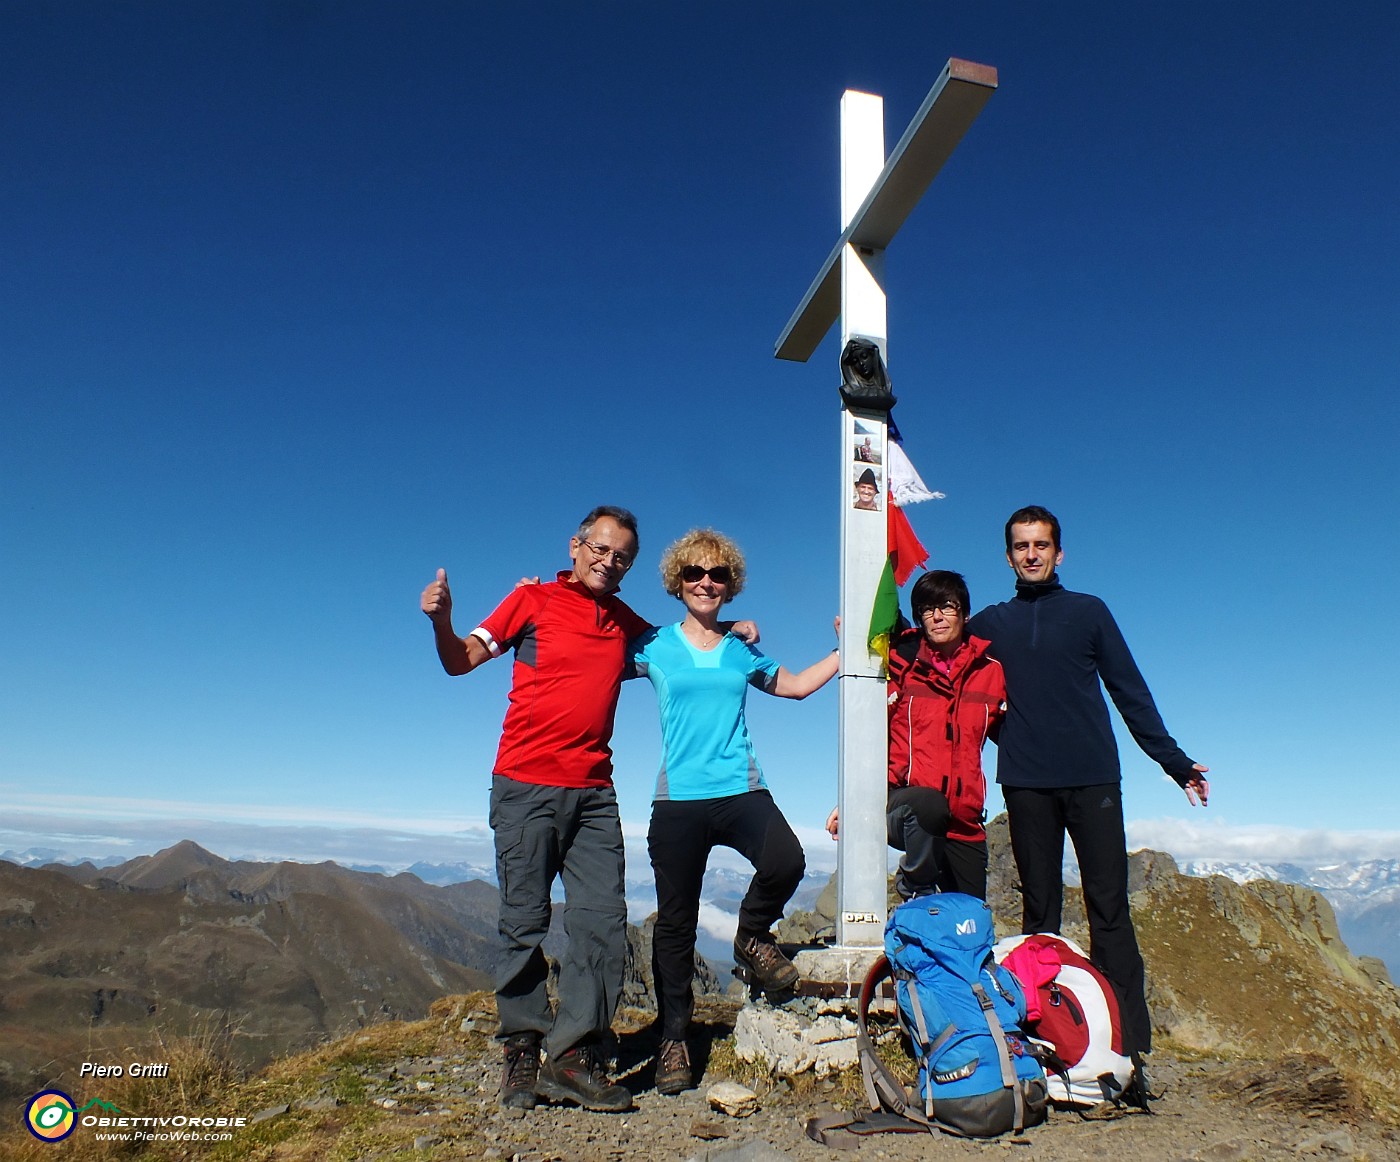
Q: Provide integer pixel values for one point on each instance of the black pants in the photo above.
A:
(682, 834)
(1093, 816)
(916, 822)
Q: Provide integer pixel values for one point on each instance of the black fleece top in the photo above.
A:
(1055, 645)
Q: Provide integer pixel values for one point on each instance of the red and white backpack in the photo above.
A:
(1073, 1011)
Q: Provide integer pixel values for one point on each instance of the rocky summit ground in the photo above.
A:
(428, 1090)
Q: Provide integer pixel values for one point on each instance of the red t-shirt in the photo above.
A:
(570, 649)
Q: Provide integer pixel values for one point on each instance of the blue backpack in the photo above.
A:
(963, 1014)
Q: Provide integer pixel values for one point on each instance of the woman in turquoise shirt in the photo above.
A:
(710, 790)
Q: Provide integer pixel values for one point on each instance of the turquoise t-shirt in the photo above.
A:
(706, 752)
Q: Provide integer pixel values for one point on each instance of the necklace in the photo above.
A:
(705, 643)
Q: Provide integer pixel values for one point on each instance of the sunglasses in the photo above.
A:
(719, 574)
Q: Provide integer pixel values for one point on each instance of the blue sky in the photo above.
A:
(302, 301)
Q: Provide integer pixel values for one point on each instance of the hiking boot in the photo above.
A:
(673, 1068)
(522, 1069)
(576, 1076)
(768, 968)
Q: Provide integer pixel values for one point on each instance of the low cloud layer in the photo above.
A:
(74, 828)
(1260, 843)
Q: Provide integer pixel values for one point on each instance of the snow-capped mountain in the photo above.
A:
(1357, 880)
(39, 856)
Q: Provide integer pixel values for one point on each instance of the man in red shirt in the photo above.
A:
(554, 809)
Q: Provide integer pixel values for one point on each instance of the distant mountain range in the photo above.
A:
(271, 956)
(1365, 895)
(721, 895)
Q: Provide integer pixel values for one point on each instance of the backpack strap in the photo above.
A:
(833, 1130)
(1137, 1093)
(883, 1090)
(920, 1035)
(844, 1131)
(1008, 1071)
(1050, 1061)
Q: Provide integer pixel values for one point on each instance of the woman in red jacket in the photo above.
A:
(945, 697)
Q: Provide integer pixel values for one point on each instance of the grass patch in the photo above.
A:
(348, 1086)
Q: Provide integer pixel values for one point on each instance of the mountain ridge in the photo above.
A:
(275, 956)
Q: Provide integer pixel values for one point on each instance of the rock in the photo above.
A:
(1147, 869)
(316, 1105)
(425, 1141)
(738, 1101)
(1337, 1142)
(811, 927)
(707, 1130)
(791, 1044)
(1375, 969)
(270, 1112)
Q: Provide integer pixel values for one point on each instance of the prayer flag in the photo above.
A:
(906, 485)
(884, 615)
(906, 553)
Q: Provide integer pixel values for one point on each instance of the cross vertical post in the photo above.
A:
(876, 197)
(862, 737)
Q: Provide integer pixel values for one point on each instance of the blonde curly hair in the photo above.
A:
(702, 545)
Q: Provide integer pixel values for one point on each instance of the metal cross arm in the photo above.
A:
(950, 108)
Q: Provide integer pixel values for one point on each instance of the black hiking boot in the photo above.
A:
(522, 1069)
(673, 1068)
(768, 968)
(577, 1076)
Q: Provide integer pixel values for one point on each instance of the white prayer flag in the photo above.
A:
(906, 485)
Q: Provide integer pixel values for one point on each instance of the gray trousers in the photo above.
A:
(573, 833)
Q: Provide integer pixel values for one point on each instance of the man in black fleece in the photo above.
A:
(1057, 761)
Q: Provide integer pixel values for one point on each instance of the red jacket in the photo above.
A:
(938, 723)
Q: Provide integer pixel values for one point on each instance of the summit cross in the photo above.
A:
(877, 195)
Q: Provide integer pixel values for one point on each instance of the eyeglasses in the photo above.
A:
(947, 609)
(719, 574)
(608, 555)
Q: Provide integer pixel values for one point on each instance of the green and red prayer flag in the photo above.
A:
(905, 553)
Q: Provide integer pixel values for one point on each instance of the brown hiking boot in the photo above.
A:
(769, 969)
(522, 1069)
(577, 1076)
(673, 1068)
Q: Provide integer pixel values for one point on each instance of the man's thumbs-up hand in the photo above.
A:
(437, 598)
